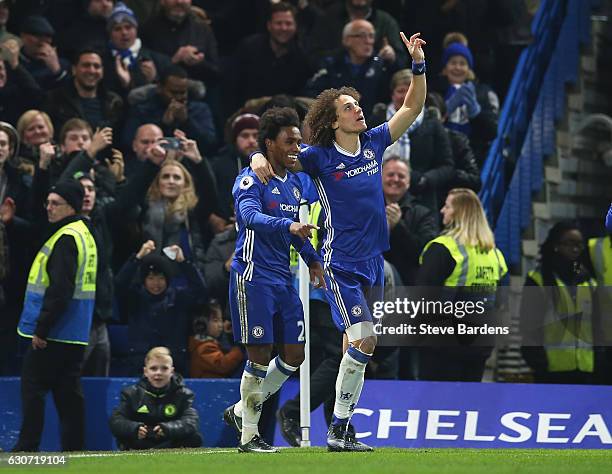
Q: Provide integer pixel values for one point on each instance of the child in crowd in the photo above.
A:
(156, 412)
(158, 312)
(212, 355)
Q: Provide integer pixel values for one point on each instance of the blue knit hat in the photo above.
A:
(458, 49)
(120, 14)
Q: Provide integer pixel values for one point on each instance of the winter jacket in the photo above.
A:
(20, 93)
(159, 320)
(169, 407)
(165, 36)
(219, 251)
(64, 103)
(431, 157)
(467, 173)
(371, 79)
(226, 167)
(209, 360)
(417, 226)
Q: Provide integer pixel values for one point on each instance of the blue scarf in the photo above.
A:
(401, 147)
(458, 120)
(128, 56)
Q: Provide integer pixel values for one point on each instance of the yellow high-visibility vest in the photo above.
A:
(74, 324)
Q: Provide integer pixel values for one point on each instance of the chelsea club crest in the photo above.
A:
(368, 154)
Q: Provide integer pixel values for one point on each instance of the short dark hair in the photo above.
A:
(173, 70)
(281, 7)
(272, 121)
(87, 50)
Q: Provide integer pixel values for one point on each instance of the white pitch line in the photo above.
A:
(143, 453)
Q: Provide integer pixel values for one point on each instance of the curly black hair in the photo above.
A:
(322, 114)
(272, 121)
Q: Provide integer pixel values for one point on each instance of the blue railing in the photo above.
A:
(526, 131)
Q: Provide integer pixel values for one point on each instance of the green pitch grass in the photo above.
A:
(318, 460)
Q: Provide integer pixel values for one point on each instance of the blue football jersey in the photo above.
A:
(263, 216)
(351, 194)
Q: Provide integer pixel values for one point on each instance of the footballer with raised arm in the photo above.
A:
(345, 162)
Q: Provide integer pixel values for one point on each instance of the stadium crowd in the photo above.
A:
(154, 108)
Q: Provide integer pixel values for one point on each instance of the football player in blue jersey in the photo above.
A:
(345, 162)
(264, 304)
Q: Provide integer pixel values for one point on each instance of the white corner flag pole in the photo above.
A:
(304, 278)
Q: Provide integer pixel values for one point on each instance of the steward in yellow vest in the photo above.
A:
(558, 310)
(57, 315)
(72, 320)
(600, 254)
(460, 266)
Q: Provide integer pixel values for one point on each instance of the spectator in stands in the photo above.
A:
(181, 35)
(168, 419)
(600, 257)
(559, 310)
(461, 265)
(212, 354)
(271, 63)
(85, 96)
(127, 62)
(242, 141)
(18, 89)
(4, 17)
(170, 108)
(16, 237)
(327, 36)
(157, 311)
(79, 150)
(56, 319)
(35, 129)
(399, 85)
(467, 172)
(411, 225)
(146, 137)
(472, 107)
(356, 65)
(39, 56)
(173, 212)
(217, 264)
(11, 183)
(143, 9)
(88, 29)
(425, 146)
(58, 12)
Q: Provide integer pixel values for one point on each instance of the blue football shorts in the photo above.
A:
(265, 314)
(352, 288)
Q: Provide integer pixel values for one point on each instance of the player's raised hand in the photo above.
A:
(303, 231)
(262, 168)
(317, 276)
(414, 46)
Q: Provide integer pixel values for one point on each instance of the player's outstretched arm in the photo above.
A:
(263, 169)
(415, 97)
